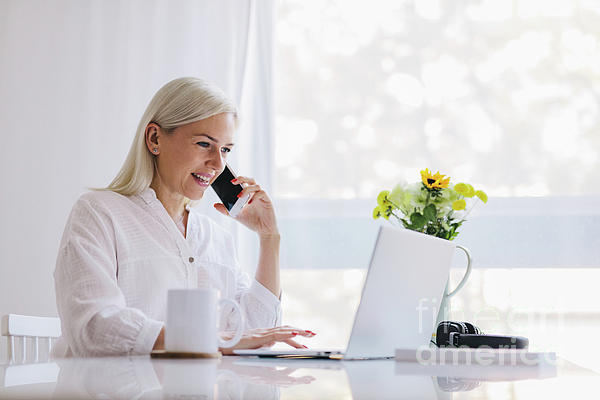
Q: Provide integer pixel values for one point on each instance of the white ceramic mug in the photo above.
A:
(192, 323)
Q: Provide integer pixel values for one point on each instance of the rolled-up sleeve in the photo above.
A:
(94, 317)
(261, 308)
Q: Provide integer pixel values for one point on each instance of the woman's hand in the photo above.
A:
(256, 338)
(258, 214)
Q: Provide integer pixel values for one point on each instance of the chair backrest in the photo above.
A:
(23, 327)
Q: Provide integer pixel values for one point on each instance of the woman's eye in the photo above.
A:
(206, 145)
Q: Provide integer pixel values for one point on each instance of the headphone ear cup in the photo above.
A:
(444, 329)
(471, 329)
(457, 327)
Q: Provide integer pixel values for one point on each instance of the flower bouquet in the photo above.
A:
(431, 206)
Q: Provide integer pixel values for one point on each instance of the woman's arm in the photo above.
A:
(267, 271)
(259, 216)
(159, 344)
(92, 308)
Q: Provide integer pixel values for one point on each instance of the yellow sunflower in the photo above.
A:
(437, 181)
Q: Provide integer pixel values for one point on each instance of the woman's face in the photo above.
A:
(193, 155)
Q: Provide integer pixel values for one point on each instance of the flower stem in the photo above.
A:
(392, 203)
(464, 218)
(399, 219)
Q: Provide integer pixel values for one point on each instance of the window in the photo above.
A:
(503, 94)
(500, 94)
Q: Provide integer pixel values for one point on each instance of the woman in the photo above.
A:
(126, 245)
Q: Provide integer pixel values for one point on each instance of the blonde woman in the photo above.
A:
(126, 245)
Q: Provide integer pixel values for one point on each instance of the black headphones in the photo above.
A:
(465, 334)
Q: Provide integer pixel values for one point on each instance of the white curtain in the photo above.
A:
(75, 78)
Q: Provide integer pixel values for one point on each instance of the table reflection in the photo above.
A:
(142, 377)
(252, 378)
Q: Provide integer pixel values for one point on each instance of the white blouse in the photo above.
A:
(118, 257)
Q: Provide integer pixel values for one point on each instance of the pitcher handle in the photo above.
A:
(467, 273)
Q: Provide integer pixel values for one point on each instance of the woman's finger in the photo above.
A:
(261, 195)
(249, 190)
(221, 208)
(281, 327)
(243, 179)
(295, 344)
(281, 336)
(301, 332)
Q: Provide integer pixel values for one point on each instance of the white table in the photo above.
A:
(253, 378)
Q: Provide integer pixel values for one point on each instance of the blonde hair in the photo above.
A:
(179, 102)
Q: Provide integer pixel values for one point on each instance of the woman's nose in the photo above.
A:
(216, 161)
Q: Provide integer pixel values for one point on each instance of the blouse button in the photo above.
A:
(191, 259)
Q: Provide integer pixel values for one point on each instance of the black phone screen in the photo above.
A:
(226, 190)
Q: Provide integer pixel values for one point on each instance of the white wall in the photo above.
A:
(75, 77)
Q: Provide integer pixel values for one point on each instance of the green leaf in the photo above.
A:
(430, 212)
(418, 221)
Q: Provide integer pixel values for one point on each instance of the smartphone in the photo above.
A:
(228, 192)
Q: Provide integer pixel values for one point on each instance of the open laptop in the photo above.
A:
(400, 298)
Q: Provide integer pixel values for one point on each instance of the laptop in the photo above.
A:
(400, 298)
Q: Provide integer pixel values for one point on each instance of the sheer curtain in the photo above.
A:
(75, 77)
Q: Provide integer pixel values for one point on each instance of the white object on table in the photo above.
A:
(192, 321)
(470, 356)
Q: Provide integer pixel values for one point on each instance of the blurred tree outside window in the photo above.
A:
(503, 94)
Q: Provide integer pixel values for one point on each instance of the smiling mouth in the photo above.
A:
(201, 178)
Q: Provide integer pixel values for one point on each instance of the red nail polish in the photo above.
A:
(294, 333)
(239, 194)
(304, 347)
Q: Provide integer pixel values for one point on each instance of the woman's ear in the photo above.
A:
(152, 135)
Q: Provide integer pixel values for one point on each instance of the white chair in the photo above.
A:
(22, 327)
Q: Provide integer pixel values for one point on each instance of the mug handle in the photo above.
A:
(239, 327)
(467, 272)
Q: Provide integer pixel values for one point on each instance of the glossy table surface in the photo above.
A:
(253, 378)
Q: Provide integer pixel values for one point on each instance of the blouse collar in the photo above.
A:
(149, 196)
